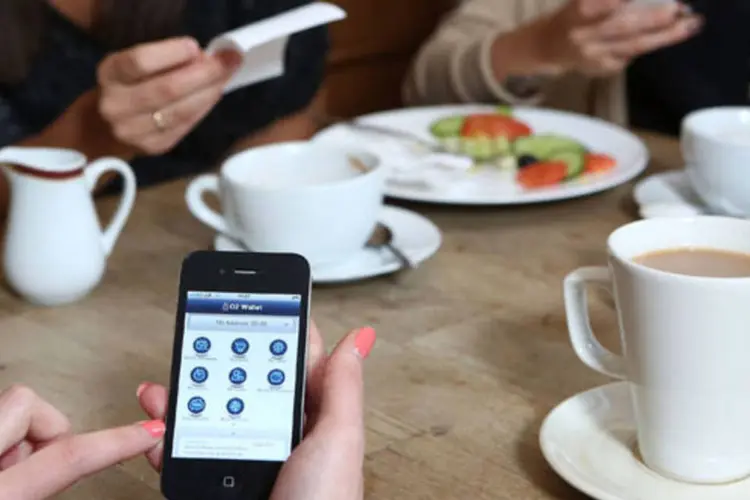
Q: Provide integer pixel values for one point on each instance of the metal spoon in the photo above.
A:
(383, 237)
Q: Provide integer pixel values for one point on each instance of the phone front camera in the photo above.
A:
(222, 271)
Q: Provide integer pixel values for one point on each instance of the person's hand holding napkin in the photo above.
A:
(263, 44)
(154, 94)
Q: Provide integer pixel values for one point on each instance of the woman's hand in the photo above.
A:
(39, 457)
(327, 465)
(154, 94)
(601, 37)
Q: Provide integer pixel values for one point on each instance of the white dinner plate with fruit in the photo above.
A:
(490, 155)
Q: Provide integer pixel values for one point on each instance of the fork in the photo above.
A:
(430, 146)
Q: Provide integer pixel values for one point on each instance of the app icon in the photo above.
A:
(278, 347)
(235, 406)
(240, 346)
(199, 375)
(237, 376)
(276, 377)
(202, 345)
(196, 405)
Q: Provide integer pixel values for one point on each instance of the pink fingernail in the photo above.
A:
(141, 388)
(363, 341)
(155, 427)
(230, 58)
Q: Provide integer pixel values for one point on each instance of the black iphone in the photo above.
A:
(238, 374)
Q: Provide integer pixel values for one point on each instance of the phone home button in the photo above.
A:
(228, 482)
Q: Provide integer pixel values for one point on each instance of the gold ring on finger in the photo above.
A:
(159, 120)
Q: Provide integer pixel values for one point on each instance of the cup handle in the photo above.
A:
(196, 205)
(584, 341)
(92, 174)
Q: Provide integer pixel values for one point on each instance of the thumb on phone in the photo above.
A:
(342, 385)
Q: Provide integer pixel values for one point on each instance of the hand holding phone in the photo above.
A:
(238, 374)
(328, 462)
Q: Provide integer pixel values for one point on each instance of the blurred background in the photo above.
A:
(371, 52)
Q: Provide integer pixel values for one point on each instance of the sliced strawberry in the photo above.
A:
(597, 162)
(542, 174)
(494, 126)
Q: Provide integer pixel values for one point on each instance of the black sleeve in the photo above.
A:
(11, 127)
(250, 109)
(665, 85)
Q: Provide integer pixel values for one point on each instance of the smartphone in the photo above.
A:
(238, 374)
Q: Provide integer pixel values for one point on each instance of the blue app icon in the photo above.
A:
(235, 406)
(240, 346)
(199, 375)
(202, 345)
(278, 347)
(237, 376)
(196, 405)
(276, 377)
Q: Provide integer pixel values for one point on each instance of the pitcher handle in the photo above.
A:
(93, 172)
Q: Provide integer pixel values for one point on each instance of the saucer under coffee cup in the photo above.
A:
(682, 293)
(318, 200)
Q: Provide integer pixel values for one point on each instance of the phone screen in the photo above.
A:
(237, 376)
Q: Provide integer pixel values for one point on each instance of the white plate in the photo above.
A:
(492, 186)
(590, 440)
(416, 236)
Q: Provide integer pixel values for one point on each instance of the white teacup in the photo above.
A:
(299, 197)
(716, 147)
(685, 340)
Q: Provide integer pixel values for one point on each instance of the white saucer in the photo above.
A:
(667, 194)
(589, 440)
(416, 236)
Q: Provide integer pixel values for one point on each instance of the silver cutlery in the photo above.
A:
(429, 146)
(382, 237)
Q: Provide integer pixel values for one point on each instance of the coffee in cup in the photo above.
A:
(682, 291)
(706, 262)
(317, 200)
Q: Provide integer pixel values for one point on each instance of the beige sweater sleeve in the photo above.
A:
(454, 65)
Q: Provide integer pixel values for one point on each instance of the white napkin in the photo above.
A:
(263, 44)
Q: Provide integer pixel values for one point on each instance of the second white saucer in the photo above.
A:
(590, 441)
(667, 194)
(413, 234)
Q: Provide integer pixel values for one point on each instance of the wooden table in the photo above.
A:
(472, 347)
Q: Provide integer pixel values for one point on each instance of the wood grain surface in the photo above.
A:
(472, 347)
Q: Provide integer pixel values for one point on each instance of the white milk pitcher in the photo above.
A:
(55, 250)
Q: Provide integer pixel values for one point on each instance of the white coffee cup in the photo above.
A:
(716, 148)
(686, 347)
(301, 197)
